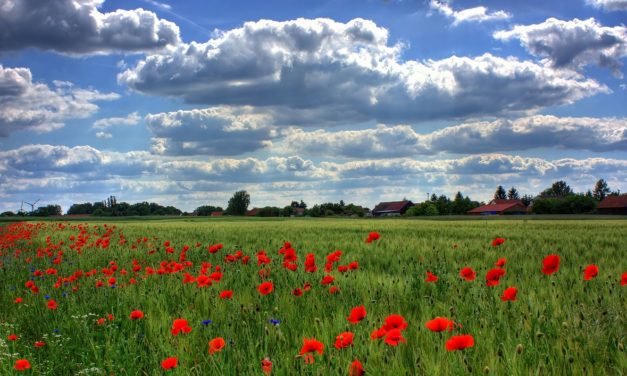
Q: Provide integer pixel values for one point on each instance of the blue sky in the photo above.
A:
(183, 103)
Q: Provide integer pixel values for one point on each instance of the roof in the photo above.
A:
(498, 207)
(505, 201)
(252, 212)
(391, 207)
(216, 214)
(611, 202)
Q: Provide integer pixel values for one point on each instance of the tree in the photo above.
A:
(500, 194)
(238, 204)
(206, 210)
(601, 190)
(512, 194)
(558, 189)
(526, 199)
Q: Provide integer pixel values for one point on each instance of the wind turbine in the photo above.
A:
(32, 206)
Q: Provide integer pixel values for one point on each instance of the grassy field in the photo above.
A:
(559, 324)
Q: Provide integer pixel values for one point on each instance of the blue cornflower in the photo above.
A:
(275, 322)
(46, 297)
(206, 322)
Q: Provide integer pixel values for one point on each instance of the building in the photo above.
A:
(500, 207)
(217, 214)
(252, 212)
(613, 205)
(393, 208)
(298, 212)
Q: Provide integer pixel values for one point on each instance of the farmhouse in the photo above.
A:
(216, 214)
(613, 205)
(252, 212)
(393, 208)
(500, 207)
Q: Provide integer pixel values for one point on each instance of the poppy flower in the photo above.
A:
(311, 346)
(344, 340)
(327, 279)
(356, 369)
(180, 325)
(169, 363)
(468, 274)
(266, 366)
(378, 333)
(550, 264)
(265, 288)
(18, 300)
(493, 276)
(509, 294)
(216, 345)
(357, 314)
(590, 272)
(21, 365)
(460, 342)
(136, 314)
(498, 241)
(431, 277)
(40, 344)
(500, 262)
(334, 290)
(394, 322)
(12, 337)
(394, 337)
(101, 321)
(440, 324)
(623, 279)
(52, 304)
(373, 236)
(226, 294)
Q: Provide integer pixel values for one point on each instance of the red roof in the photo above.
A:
(498, 206)
(391, 207)
(253, 212)
(611, 202)
(216, 214)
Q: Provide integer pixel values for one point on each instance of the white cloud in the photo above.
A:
(158, 4)
(28, 105)
(346, 72)
(583, 133)
(572, 44)
(609, 5)
(476, 14)
(129, 120)
(104, 135)
(77, 27)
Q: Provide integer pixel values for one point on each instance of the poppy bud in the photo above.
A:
(486, 369)
(539, 334)
(519, 348)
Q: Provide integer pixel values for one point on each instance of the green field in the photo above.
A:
(558, 325)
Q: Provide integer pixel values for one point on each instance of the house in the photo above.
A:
(393, 208)
(298, 212)
(500, 207)
(613, 205)
(217, 214)
(253, 212)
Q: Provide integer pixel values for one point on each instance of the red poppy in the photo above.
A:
(21, 365)
(180, 325)
(431, 277)
(353, 265)
(623, 279)
(216, 345)
(509, 294)
(550, 264)
(500, 262)
(136, 314)
(12, 337)
(266, 366)
(493, 276)
(356, 369)
(590, 272)
(226, 294)
(378, 333)
(498, 241)
(334, 290)
(169, 363)
(40, 344)
(373, 236)
(460, 342)
(297, 292)
(394, 337)
(307, 286)
(52, 304)
(440, 324)
(311, 346)
(327, 279)
(265, 288)
(18, 300)
(101, 321)
(357, 314)
(468, 274)
(344, 340)
(394, 322)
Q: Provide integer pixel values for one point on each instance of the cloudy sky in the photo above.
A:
(185, 102)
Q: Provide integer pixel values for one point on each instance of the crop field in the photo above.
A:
(313, 297)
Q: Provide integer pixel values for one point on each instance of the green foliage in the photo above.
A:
(112, 208)
(206, 210)
(47, 211)
(601, 190)
(500, 193)
(557, 189)
(442, 205)
(238, 204)
(573, 204)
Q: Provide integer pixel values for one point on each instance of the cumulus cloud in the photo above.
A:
(131, 119)
(572, 44)
(77, 27)
(476, 14)
(28, 105)
(104, 135)
(210, 131)
(609, 5)
(577, 133)
(346, 72)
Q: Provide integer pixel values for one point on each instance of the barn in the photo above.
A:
(613, 205)
(392, 208)
(500, 207)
